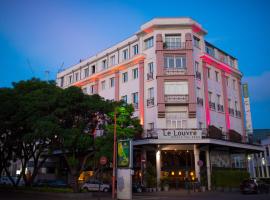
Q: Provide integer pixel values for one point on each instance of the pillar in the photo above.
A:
(253, 171)
(196, 151)
(208, 168)
(266, 163)
(158, 165)
(261, 165)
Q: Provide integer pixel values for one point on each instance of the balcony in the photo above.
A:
(220, 108)
(174, 45)
(231, 111)
(150, 76)
(150, 102)
(175, 71)
(198, 75)
(238, 113)
(176, 98)
(200, 101)
(212, 105)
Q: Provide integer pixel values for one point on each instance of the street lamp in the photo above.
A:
(114, 156)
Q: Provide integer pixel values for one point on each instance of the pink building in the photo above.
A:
(185, 91)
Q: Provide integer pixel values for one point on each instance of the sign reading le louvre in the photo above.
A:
(185, 134)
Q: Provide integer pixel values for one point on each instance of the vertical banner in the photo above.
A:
(124, 154)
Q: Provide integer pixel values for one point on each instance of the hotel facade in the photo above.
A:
(185, 91)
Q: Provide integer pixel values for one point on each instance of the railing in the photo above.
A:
(175, 71)
(200, 101)
(176, 98)
(238, 113)
(198, 75)
(212, 105)
(231, 111)
(150, 102)
(150, 76)
(174, 45)
(220, 108)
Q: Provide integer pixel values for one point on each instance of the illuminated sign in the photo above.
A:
(124, 154)
(183, 134)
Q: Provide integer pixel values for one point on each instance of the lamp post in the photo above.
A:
(114, 157)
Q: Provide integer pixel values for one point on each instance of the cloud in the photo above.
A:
(259, 87)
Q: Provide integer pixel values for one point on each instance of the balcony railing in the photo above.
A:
(150, 102)
(238, 113)
(231, 111)
(176, 98)
(198, 75)
(150, 76)
(200, 101)
(220, 108)
(174, 45)
(175, 71)
(212, 105)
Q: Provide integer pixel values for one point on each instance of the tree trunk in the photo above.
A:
(74, 180)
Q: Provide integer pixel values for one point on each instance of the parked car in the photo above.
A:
(251, 186)
(137, 187)
(96, 185)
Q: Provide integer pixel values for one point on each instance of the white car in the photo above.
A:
(95, 185)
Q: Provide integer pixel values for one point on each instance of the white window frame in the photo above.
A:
(170, 88)
(149, 42)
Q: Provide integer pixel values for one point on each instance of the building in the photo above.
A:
(259, 164)
(185, 91)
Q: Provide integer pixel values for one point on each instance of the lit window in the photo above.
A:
(148, 43)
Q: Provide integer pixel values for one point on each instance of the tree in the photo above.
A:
(78, 116)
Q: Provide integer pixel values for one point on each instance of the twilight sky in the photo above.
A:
(40, 35)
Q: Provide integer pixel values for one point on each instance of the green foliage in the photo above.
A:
(150, 175)
(228, 177)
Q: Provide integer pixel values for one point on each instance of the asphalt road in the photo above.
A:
(172, 195)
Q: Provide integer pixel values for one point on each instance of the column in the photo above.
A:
(266, 162)
(116, 89)
(253, 166)
(158, 165)
(261, 165)
(141, 91)
(206, 99)
(196, 151)
(208, 168)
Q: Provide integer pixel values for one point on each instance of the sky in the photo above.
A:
(47, 35)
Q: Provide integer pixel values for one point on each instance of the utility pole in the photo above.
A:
(114, 157)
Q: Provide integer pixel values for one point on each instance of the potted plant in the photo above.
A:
(165, 183)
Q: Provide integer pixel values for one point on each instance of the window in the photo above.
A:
(176, 120)
(196, 42)
(199, 94)
(112, 82)
(70, 79)
(93, 69)
(124, 98)
(125, 54)
(208, 72)
(112, 60)
(234, 86)
(86, 72)
(135, 49)
(230, 103)
(150, 93)
(92, 89)
(231, 62)
(197, 66)
(135, 73)
(210, 50)
(210, 96)
(76, 76)
(217, 75)
(61, 81)
(125, 77)
(104, 64)
(200, 125)
(173, 41)
(148, 43)
(236, 106)
(150, 126)
(135, 98)
(218, 99)
(176, 88)
(103, 85)
(151, 67)
(174, 61)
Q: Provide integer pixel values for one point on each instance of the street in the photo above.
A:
(173, 195)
